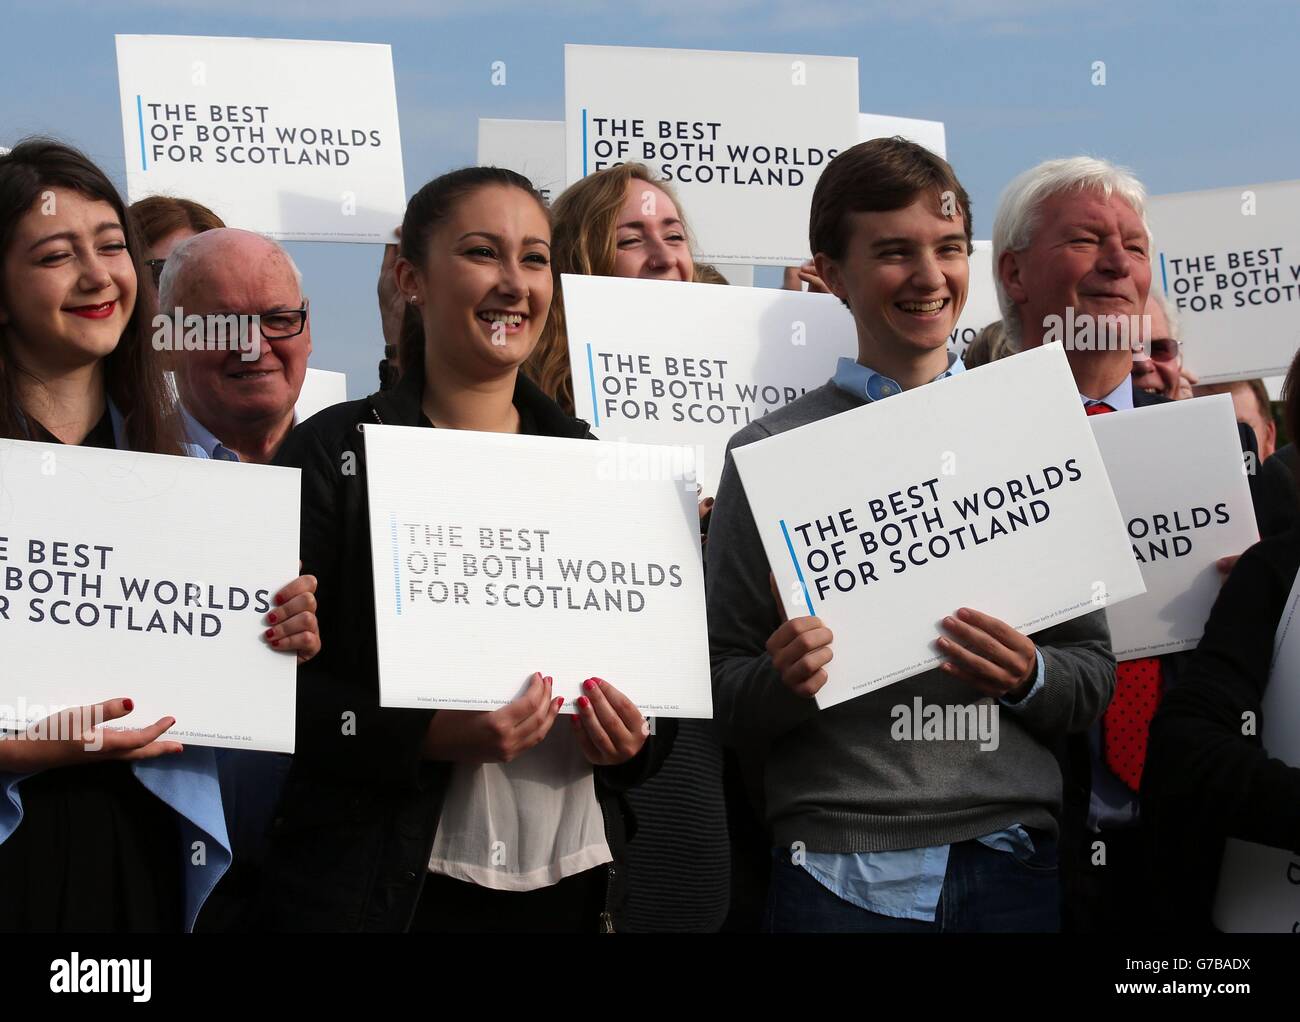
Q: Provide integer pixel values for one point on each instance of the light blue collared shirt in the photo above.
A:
(907, 883)
(200, 443)
(187, 782)
(1121, 398)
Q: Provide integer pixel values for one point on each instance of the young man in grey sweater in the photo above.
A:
(877, 828)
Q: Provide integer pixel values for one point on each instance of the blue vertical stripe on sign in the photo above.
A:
(797, 570)
(591, 375)
(584, 141)
(1164, 277)
(139, 114)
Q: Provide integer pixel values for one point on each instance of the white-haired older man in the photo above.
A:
(239, 389)
(1071, 246)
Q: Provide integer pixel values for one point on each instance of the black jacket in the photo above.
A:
(1205, 779)
(351, 842)
(1279, 500)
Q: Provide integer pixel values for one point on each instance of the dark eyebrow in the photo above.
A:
(946, 239)
(107, 225)
(496, 238)
(667, 221)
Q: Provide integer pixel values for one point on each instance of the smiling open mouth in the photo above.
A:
(252, 374)
(928, 308)
(508, 318)
(101, 311)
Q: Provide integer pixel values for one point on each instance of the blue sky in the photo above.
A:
(1198, 95)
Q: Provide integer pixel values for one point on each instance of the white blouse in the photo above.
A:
(522, 825)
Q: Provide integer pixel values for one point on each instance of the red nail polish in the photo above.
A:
(270, 632)
(598, 681)
(561, 706)
(275, 642)
(279, 600)
(129, 704)
(583, 702)
(272, 618)
(589, 684)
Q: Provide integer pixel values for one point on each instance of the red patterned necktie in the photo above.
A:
(1127, 721)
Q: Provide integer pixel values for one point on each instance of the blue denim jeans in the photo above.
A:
(984, 891)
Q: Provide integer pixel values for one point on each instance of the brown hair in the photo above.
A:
(584, 241)
(707, 273)
(1291, 400)
(1256, 387)
(990, 344)
(161, 215)
(428, 207)
(879, 176)
(133, 377)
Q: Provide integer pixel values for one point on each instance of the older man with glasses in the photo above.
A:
(1071, 244)
(238, 388)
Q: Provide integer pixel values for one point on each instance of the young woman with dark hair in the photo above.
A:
(97, 833)
(391, 822)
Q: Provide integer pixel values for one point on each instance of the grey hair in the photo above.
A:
(1020, 205)
(183, 254)
(1171, 314)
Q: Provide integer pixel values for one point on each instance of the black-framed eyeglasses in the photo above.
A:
(283, 323)
(155, 269)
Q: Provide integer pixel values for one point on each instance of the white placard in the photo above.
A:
(525, 553)
(981, 306)
(152, 595)
(1185, 508)
(664, 362)
(983, 490)
(294, 139)
(532, 148)
(320, 389)
(1259, 886)
(744, 156)
(1229, 261)
(927, 133)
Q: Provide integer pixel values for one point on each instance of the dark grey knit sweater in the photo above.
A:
(835, 779)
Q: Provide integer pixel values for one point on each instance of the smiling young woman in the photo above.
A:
(395, 823)
(96, 835)
(618, 222)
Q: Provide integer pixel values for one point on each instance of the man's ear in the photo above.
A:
(1009, 274)
(829, 271)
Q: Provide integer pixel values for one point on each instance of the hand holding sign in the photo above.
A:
(295, 628)
(392, 306)
(608, 725)
(989, 654)
(800, 649)
(76, 736)
(498, 736)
